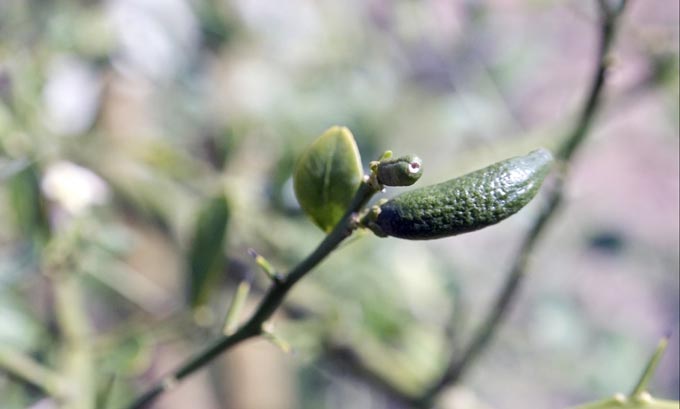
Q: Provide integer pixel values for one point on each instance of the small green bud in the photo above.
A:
(403, 171)
(464, 204)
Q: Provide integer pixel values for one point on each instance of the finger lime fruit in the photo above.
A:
(402, 171)
(464, 204)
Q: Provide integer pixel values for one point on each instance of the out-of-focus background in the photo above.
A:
(120, 119)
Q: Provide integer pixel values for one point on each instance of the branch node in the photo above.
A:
(169, 383)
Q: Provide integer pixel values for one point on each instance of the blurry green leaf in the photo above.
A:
(19, 328)
(28, 204)
(206, 256)
(219, 146)
(11, 168)
(327, 175)
(217, 23)
(114, 393)
(130, 358)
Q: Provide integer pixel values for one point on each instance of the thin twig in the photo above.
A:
(269, 304)
(27, 369)
(346, 358)
(458, 366)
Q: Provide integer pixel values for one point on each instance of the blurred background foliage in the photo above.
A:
(122, 120)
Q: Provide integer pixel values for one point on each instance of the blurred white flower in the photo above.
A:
(71, 96)
(75, 188)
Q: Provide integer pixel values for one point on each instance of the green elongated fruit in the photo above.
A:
(464, 204)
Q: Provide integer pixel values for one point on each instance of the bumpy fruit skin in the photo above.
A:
(470, 202)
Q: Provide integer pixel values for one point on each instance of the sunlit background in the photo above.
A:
(120, 119)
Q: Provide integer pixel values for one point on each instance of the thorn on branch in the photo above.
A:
(266, 266)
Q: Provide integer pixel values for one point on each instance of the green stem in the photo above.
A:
(77, 355)
(458, 366)
(26, 368)
(269, 304)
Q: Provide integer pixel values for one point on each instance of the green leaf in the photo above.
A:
(327, 176)
(206, 256)
(9, 168)
(28, 204)
(131, 357)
